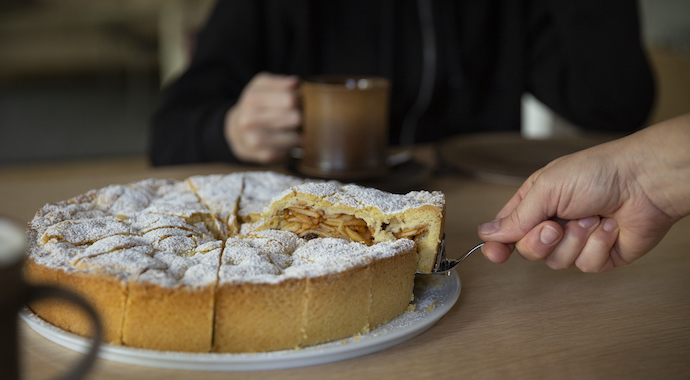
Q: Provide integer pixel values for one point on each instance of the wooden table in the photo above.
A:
(515, 320)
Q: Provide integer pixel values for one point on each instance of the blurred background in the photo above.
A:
(80, 78)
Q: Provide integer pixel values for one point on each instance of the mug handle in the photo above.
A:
(36, 292)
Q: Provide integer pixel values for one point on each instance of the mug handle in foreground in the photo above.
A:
(35, 293)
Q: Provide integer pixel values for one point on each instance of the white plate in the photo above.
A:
(434, 296)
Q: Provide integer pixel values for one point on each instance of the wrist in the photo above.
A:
(663, 165)
(230, 133)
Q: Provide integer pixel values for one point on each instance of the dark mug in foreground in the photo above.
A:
(15, 293)
(345, 127)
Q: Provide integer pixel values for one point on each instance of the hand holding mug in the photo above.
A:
(264, 124)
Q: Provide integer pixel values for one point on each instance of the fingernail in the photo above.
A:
(548, 235)
(610, 225)
(588, 222)
(489, 227)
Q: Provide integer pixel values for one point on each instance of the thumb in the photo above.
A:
(533, 209)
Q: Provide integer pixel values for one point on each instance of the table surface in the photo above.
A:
(515, 320)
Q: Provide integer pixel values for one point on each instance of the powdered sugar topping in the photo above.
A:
(173, 232)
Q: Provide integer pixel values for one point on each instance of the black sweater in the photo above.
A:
(581, 58)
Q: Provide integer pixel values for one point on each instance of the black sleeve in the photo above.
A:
(188, 124)
(587, 63)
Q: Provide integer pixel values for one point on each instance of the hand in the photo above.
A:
(590, 209)
(263, 126)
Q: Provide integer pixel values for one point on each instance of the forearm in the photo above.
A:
(191, 133)
(662, 157)
(189, 125)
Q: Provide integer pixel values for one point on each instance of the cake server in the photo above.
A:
(443, 264)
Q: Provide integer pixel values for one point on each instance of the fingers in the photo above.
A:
(273, 81)
(595, 256)
(518, 222)
(270, 99)
(263, 126)
(586, 243)
(263, 138)
(575, 235)
(540, 241)
(538, 244)
(259, 140)
(269, 91)
(533, 203)
(270, 120)
(497, 252)
(268, 136)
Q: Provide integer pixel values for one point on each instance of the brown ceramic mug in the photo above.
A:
(345, 127)
(15, 293)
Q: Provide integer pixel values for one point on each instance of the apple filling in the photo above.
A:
(308, 222)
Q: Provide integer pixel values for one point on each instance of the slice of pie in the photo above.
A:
(366, 215)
